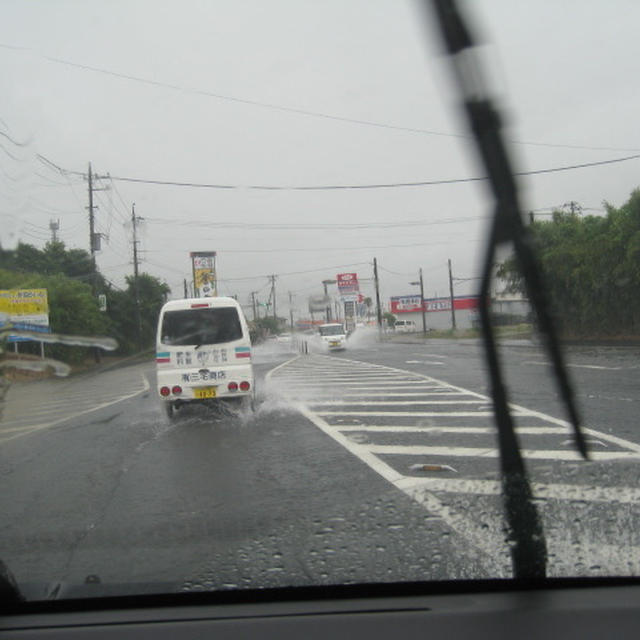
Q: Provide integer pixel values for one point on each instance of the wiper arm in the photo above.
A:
(529, 554)
(9, 591)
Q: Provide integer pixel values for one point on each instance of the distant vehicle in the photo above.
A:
(405, 326)
(333, 335)
(284, 337)
(203, 352)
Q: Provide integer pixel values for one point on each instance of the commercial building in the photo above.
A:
(438, 311)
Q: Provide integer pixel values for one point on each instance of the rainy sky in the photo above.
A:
(290, 94)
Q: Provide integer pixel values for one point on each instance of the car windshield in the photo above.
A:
(200, 326)
(178, 175)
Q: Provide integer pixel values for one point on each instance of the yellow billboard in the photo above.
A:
(24, 307)
(204, 273)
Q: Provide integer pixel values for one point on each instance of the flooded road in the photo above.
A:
(376, 463)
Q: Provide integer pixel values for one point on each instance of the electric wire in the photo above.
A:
(289, 109)
(355, 187)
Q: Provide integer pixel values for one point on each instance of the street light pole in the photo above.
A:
(424, 318)
(326, 295)
(453, 308)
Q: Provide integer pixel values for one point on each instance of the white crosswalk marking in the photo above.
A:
(407, 422)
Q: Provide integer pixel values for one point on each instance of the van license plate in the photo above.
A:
(334, 344)
(202, 393)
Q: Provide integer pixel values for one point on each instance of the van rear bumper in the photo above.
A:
(192, 383)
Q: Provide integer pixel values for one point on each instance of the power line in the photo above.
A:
(275, 226)
(388, 185)
(288, 109)
(12, 141)
(319, 249)
(346, 187)
(262, 276)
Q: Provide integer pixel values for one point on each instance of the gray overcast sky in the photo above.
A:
(565, 73)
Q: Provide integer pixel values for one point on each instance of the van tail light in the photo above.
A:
(177, 390)
(245, 386)
(165, 391)
(232, 386)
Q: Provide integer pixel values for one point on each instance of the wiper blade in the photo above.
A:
(529, 554)
(9, 591)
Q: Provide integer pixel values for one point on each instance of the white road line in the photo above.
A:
(536, 414)
(416, 414)
(572, 492)
(361, 385)
(378, 403)
(473, 430)
(476, 452)
(40, 427)
(363, 378)
(390, 394)
(280, 366)
(422, 489)
(576, 366)
(611, 438)
(466, 527)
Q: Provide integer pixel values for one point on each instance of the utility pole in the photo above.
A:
(92, 238)
(424, 317)
(453, 311)
(272, 295)
(327, 310)
(291, 310)
(378, 308)
(326, 295)
(136, 288)
(186, 291)
(422, 309)
(253, 304)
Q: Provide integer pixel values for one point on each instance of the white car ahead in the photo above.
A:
(333, 335)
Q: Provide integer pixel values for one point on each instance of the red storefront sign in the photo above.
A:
(408, 304)
(347, 283)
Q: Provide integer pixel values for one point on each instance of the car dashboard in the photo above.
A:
(568, 609)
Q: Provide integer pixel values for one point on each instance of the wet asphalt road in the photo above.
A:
(219, 500)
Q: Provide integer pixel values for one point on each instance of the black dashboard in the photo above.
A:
(600, 609)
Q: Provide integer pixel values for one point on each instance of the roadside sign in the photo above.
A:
(203, 264)
(347, 283)
(25, 309)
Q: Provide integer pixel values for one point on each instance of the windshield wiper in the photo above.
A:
(528, 546)
(9, 590)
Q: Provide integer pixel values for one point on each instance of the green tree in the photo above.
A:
(390, 319)
(591, 266)
(72, 308)
(132, 332)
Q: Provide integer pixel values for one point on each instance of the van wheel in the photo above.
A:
(170, 409)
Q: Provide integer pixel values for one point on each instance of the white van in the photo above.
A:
(405, 326)
(203, 352)
(333, 335)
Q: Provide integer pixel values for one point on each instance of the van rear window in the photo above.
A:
(200, 326)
